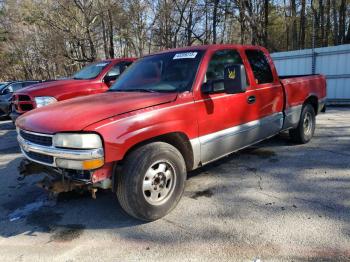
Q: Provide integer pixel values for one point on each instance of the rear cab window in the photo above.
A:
(260, 66)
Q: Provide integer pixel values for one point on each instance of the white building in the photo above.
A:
(333, 62)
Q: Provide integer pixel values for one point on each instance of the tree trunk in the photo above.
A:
(215, 14)
(328, 23)
(347, 40)
(321, 15)
(110, 31)
(342, 21)
(335, 24)
(252, 21)
(316, 25)
(189, 26)
(294, 25)
(104, 36)
(206, 22)
(302, 25)
(241, 20)
(266, 22)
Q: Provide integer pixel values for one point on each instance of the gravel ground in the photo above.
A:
(276, 201)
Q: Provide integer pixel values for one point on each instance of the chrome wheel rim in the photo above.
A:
(159, 182)
(307, 124)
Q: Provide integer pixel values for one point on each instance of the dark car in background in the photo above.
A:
(6, 91)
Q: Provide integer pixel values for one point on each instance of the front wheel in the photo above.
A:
(306, 127)
(152, 181)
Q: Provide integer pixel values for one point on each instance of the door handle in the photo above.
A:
(251, 99)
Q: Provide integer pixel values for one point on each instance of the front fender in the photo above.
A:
(122, 133)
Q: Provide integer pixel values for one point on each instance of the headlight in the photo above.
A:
(44, 100)
(78, 141)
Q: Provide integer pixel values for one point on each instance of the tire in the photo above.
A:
(306, 127)
(151, 181)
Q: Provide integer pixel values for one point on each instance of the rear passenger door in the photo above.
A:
(268, 93)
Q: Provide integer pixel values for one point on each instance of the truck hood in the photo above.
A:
(78, 113)
(52, 88)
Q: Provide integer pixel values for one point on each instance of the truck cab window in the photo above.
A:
(260, 66)
(217, 64)
(117, 69)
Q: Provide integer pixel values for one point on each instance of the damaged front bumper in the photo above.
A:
(55, 181)
(42, 157)
(58, 181)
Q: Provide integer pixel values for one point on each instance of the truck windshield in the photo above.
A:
(90, 71)
(167, 72)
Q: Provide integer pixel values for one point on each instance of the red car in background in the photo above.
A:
(92, 79)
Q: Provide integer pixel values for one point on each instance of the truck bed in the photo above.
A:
(299, 87)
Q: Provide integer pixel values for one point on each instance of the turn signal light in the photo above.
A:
(92, 164)
(80, 164)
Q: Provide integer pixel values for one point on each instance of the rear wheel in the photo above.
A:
(152, 181)
(306, 127)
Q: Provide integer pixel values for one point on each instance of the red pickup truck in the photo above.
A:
(169, 113)
(92, 79)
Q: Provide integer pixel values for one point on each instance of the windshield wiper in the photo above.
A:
(143, 90)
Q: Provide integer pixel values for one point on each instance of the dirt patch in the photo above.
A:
(66, 233)
(45, 218)
(204, 193)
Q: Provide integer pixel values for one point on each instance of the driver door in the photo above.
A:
(225, 121)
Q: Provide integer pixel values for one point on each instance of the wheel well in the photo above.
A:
(177, 139)
(312, 100)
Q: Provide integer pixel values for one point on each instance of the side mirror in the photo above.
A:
(235, 80)
(213, 86)
(110, 78)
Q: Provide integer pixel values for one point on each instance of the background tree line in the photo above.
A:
(45, 39)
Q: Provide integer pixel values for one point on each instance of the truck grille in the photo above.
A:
(40, 157)
(22, 103)
(36, 139)
(25, 107)
(23, 98)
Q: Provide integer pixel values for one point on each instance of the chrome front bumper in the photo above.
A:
(54, 152)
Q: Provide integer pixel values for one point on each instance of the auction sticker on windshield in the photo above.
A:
(185, 55)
